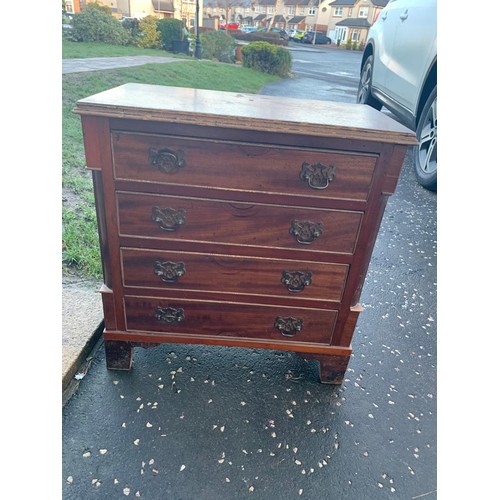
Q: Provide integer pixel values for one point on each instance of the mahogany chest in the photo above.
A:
(236, 220)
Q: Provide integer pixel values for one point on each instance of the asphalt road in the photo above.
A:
(218, 423)
(323, 73)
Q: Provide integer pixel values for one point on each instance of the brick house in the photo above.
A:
(184, 10)
(351, 19)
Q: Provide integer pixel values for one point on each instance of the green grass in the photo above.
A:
(80, 253)
(72, 50)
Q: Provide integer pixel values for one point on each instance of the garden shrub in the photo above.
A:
(259, 36)
(150, 36)
(95, 24)
(218, 45)
(267, 58)
(170, 29)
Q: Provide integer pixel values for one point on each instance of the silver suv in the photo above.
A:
(399, 71)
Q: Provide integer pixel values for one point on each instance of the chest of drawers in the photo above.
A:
(236, 220)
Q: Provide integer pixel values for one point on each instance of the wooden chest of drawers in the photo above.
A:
(236, 220)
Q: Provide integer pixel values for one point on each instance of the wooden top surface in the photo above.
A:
(246, 111)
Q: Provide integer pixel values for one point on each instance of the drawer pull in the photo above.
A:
(169, 271)
(296, 281)
(168, 219)
(169, 314)
(306, 232)
(289, 326)
(166, 160)
(318, 176)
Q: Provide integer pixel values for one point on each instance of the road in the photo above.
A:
(320, 72)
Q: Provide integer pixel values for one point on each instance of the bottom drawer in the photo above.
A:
(219, 319)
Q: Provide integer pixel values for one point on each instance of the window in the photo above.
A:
(363, 12)
(355, 36)
(291, 11)
(337, 12)
(312, 11)
(70, 8)
(350, 13)
(270, 10)
(302, 11)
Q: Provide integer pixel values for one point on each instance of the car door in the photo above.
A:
(414, 39)
(385, 29)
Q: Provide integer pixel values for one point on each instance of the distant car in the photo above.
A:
(229, 26)
(399, 71)
(297, 37)
(249, 29)
(316, 38)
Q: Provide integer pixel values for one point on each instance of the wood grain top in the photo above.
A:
(246, 111)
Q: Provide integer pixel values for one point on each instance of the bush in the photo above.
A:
(150, 38)
(258, 36)
(218, 45)
(170, 29)
(95, 24)
(267, 58)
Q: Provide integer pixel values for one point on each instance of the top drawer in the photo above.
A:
(241, 166)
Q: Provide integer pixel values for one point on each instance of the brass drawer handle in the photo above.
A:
(168, 219)
(166, 160)
(318, 176)
(169, 314)
(296, 281)
(289, 326)
(169, 271)
(306, 232)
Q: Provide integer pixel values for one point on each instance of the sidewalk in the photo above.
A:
(100, 63)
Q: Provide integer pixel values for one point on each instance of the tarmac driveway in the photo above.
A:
(224, 423)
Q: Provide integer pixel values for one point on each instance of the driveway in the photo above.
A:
(225, 423)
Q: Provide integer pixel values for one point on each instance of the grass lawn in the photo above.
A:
(80, 254)
(72, 50)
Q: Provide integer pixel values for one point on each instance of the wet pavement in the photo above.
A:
(101, 63)
(210, 422)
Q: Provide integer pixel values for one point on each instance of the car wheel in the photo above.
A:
(426, 151)
(365, 85)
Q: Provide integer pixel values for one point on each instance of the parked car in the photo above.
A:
(316, 37)
(248, 29)
(229, 26)
(297, 37)
(399, 71)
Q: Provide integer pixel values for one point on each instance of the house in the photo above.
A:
(72, 6)
(306, 15)
(238, 11)
(351, 19)
(184, 10)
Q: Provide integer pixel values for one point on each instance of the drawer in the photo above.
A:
(241, 166)
(185, 271)
(218, 319)
(223, 222)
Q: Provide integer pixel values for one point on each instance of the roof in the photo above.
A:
(301, 2)
(350, 3)
(278, 18)
(342, 3)
(354, 22)
(296, 19)
(259, 17)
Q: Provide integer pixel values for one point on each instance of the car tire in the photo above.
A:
(365, 85)
(426, 151)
